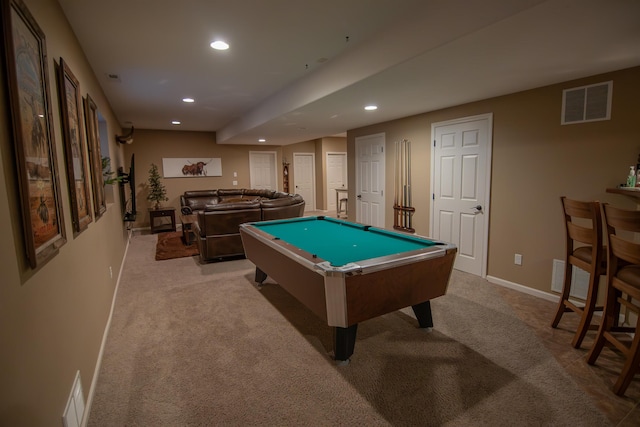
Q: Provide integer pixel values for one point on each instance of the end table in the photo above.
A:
(188, 233)
(158, 222)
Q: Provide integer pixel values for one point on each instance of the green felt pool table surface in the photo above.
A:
(340, 242)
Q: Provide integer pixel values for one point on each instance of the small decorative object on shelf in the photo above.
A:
(402, 209)
(157, 192)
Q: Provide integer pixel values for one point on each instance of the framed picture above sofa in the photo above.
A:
(191, 167)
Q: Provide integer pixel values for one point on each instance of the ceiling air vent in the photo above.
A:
(586, 103)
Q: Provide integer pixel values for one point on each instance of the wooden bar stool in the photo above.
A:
(584, 249)
(623, 289)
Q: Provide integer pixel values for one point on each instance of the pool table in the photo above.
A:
(346, 272)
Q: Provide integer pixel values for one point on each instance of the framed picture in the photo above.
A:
(95, 156)
(191, 167)
(30, 104)
(74, 147)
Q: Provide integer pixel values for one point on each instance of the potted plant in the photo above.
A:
(107, 173)
(157, 192)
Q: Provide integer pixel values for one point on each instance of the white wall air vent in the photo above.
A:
(587, 103)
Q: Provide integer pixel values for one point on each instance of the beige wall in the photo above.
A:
(535, 161)
(150, 146)
(319, 147)
(52, 319)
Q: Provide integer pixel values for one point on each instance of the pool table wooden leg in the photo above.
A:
(261, 276)
(344, 341)
(423, 313)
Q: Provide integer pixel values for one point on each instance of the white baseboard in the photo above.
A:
(548, 296)
(524, 289)
(94, 381)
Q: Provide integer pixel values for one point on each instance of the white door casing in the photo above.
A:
(370, 179)
(336, 177)
(460, 189)
(304, 178)
(263, 170)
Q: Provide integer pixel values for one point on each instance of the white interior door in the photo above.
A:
(336, 177)
(370, 164)
(262, 170)
(304, 182)
(461, 182)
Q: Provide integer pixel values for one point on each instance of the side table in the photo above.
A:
(157, 219)
(188, 233)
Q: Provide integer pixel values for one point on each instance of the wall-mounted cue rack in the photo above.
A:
(402, 209)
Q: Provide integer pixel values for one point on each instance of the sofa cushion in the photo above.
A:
(237, 198)
(258, 193)
(230, 192)
(197, 200)
(201, 193)
(283, 201)
(231, 206)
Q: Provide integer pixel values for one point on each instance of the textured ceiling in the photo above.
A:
(300, 70)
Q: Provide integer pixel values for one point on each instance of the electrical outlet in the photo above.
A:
(517, 260)
(235, 182)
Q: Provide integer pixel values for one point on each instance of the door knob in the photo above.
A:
(477, 208)
(359, 196)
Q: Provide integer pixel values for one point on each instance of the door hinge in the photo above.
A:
(433, 196)
(434, 143)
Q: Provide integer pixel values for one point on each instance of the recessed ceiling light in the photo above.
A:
(371, 107)
(262, 140)
(176, 122)
(188, 100)
(219, 45)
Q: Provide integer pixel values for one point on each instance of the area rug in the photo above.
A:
(171, 245)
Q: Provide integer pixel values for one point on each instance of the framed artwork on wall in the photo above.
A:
(31, 118)
(74, 147)
(191, 167)
(95, 157)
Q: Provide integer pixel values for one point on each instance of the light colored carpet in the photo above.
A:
(194, 344)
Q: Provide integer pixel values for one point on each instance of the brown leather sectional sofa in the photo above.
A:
(220, 213)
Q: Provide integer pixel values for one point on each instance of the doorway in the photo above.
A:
(262, 170)
(369, 191)
(336, 177)
(304, 178)
(460, 189)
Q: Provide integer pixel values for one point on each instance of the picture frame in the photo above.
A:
(25, 58)
(74, 147)
(95, 156)
(191, 167)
